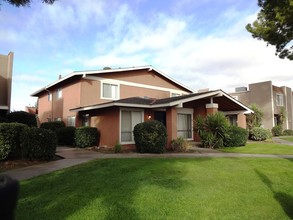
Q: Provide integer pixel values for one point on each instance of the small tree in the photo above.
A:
(254, 119)
(212, 129)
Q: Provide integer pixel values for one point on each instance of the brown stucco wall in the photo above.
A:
(107, 121)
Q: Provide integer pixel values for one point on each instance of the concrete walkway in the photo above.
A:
(75, 156)
(281, 141)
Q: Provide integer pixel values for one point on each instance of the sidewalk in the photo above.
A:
(75, 156)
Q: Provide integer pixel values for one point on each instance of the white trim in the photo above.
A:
(140, 85)
(120, 122)
(4, 107)
(234, 112)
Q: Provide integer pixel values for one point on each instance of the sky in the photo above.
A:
(201, 44)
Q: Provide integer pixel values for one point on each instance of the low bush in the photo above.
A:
(150, 137)
(52, 125)
(87, 137)
(180, 145)
(3, 119)
(236, 137)
(259, 134)
(22, 117)
(117, 148)
(66, 135)
(10, 140)
(288, 132)
(38, 144)
(277, 130)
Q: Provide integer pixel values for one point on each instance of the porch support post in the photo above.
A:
(212, 108)
(171, 125)
(241, 120)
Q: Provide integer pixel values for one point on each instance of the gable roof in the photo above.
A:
(139, 102)
(109, 70)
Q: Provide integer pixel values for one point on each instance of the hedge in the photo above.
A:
(150, 137)
(277, 130)
(10, 140)
(22, 117)
(87, 137)
(65, 135)
(259, 134)
(52, 125)
(236, 137)
(38, 144)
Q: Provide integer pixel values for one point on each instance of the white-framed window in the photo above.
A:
(58, 119)
(71, 121)
(279, 99)
(174, 94)
(59, 93)
(129, 118)
(86, 120)
(184, 127)
(49, 96)
(110, 90)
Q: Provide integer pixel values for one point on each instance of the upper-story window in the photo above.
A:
(49, 96)
(279, 99)
(59, 93)
(110, 91)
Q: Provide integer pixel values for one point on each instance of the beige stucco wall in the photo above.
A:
(6, 65)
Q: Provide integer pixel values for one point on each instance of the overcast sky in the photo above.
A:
(202, 43)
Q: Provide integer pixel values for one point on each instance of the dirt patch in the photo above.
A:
(15, 164)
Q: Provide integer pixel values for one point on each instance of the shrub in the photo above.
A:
(212, 129)
(22, 117)
(65, 135)
(10, 140)
(38, 144)
(288, 132)
(259, 134)
(180, 145)
(87, 137)
(236, 137)
(3, 119)
(277, 130)
(117, 148)
(150, 137)
(53, 125)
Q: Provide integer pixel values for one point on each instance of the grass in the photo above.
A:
(260, 148)
(204, 188)
(288, 138)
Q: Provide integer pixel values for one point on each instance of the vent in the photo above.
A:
(241, 89)
(106, 68)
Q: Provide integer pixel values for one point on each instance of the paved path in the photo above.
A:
(75, 156)
(281, 141)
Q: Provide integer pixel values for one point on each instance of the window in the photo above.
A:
(59, 93)
(184, 128)
(86, 120)
(71, 121)
(174, 94)
(57, 119)
(128, 120)
(232, 120)
(49, 96)
(279, 100)
(110, 91)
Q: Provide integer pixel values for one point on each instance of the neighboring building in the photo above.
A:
(271, 99)
(115, 100)
(6, 64)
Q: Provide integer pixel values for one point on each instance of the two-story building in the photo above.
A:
(6, 65)
(115, 100)
(271, 99)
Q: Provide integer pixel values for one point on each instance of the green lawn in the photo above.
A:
(260, 148)
(205, 188)
(288, 138)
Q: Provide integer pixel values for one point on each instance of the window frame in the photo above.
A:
(59, 93)
(111, 83)
(49, 96)
(69, 122)
(186, 111)
(141, 111)
(279, 99)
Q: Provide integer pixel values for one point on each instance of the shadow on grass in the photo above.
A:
(285, 200)
(104, 189)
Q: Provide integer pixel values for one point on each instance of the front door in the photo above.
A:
(160, 116)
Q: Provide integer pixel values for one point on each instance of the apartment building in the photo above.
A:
(271, 99)
(115, 100)
(6, 65)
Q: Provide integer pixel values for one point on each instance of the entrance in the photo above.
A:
(160, 116)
